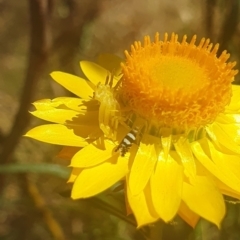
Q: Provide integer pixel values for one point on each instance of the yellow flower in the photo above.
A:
(167, 122)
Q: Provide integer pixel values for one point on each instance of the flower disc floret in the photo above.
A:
(177, 83)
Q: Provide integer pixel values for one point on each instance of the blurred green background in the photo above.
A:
(39, 36)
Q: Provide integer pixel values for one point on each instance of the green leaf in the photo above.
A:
(42, 168)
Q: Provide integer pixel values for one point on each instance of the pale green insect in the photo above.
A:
(109, 109)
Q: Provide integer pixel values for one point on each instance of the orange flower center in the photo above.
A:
(177, 84)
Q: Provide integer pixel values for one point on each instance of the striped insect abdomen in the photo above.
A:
(127, 142)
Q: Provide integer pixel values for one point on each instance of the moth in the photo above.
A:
(127, 141)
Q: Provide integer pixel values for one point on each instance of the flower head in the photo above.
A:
(166, 122)
(177, 84)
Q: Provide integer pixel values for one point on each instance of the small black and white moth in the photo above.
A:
(127, 141)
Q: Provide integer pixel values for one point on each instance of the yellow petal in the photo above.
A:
(128, 208)
(92, 181)
(142, 208)
(94, 72)
(232, 130)
(218, 166)
(75, 172)
(166, 140)
(228, 165)
(183, 149)
(55, 115)
(203, 198)
(45, 104)
(93, 154)
(166, 185)
(111, 63)
(58, 134)
(225, 190)
(217, 134)
(68, 117)
(224, 118)
(187, 215)
(76, 104)
(74, 84)
(234, 105)
(68, 152)
(143, 165)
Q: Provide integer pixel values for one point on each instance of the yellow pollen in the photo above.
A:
(177, 84)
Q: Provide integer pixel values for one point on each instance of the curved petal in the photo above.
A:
(234, 105)
(45, 104)
(166, 185)
(166, 140)
(92, 181)
(230, 164)
(75, 104)
(203, 198)
(228, 118)
(142, 208)
(75, 172)
(74, 84)
(217, 134)
(143, 166)
(94, 72)
(226, 190)
(188, 215)
(202, 149)
(93, 154)
(58, 134)
(56, 115)
(232, 130)
(183, 149)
